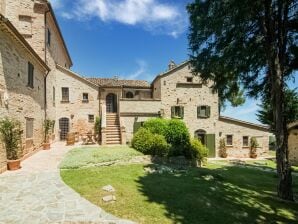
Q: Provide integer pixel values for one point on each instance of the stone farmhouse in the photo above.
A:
(36, 83)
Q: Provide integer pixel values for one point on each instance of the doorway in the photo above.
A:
(111, 103)
(64, 128)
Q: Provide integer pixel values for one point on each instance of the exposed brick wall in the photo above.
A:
(293, 147)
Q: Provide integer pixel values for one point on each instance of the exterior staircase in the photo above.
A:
(113, 130)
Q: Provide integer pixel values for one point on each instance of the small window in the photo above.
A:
(29, 128)
(245, 141)
(91, 118)
(203, 111)
(54, 96)
(85, 97)
(30, 75)
(164, 83)
(177, 112)
(189, 79)
(49, 37)
(65, 94)
(129, 95)
(230, 140)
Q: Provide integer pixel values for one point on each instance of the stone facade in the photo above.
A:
(293, 144)
(17, 99)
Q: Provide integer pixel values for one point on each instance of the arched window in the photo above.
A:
(129, 95)
(201, 135)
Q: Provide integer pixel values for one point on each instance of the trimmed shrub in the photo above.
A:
(253, 147)
(157, 126)
(199, 152)
(222, 148)
(178, 136)
(150, 144)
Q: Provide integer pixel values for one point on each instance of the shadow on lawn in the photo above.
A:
(225, 195)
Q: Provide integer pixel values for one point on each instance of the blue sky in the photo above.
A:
(132, 39)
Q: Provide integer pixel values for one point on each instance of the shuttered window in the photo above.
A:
(30, 75)
(65, 94)
(29, 127)
(245, 141)
(229, 139)
(91, 118)
(177, 112)
(203, 111)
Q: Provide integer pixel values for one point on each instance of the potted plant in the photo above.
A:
(253, 148)
(47, 128)
(10, 131)
(53, 130)
(222, 148)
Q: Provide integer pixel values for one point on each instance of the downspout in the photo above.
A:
(45, 60)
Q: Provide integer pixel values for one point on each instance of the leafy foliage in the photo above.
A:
(11, 135)
(157, 126)
(253, 147)
(222, 148)
(48, 124)
(198, 150)
(265, 114)
(150, 144)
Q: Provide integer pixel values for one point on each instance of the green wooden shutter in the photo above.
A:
(210, 144)
(208, 111)
(198, 112)
(182, 112)
(172, 112)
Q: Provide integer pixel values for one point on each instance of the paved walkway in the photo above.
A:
(36, 194)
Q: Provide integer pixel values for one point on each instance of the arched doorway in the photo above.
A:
(64, 128)
(201, 135)
(111, 103)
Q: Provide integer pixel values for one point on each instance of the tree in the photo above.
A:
(249, 44)
(265, 114)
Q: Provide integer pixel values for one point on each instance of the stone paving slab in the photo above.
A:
(37, 194)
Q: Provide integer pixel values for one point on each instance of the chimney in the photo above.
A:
(172, 65)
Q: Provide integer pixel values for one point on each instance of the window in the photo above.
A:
(189, 79)
(91, 118)
(65, 94)
(30, 75)
(245, 141)
(177, 112)
(54, 96)
(49, 37)
(85, 97)
(203, 111)
(29, 127)
(129, 95)
(229, 140)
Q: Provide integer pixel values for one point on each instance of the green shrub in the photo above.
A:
(150, 144)
(222, 148)
(10, 131)
(177, 135)
(198, 150)
(47, 130)
(253, 147)
(157, 126)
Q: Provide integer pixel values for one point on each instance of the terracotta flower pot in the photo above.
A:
(46, 146)
(14, 164)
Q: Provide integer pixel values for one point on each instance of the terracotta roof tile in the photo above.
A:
(113, 82)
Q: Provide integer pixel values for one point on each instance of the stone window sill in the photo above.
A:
(64, 101)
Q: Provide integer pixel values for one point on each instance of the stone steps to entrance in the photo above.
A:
(113, 131)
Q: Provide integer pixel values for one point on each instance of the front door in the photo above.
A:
(111, 103)
(64, 128)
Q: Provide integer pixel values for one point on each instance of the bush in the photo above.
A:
(150, 144)
(157, 126)
(222, 148)
(178, 137)
(11, 135)
(253, 147)
(198, 150)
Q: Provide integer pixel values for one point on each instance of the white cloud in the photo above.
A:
(56, 3)
(152, 15)
(140, 73)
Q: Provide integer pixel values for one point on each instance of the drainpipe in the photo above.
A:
(45, 60)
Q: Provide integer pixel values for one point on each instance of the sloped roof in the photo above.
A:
(264, 127)
(113, 82)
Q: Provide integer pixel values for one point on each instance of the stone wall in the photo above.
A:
(225, 127)
(293, 147)
(76, 110)
(17, 100)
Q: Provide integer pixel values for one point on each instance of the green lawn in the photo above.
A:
(86, 156)
(235, 195)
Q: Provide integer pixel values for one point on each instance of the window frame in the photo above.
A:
(247, 145)
(207, 110)
(189, 79)
(129, 92)
(30, 80)
(178, 114)
(87, 99)
(63, 98)
(49, 37)
(232, 140)
(91, 118)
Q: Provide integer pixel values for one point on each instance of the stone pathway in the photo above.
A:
(36, 194)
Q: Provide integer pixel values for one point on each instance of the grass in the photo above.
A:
(87, 156)
(235, 195)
